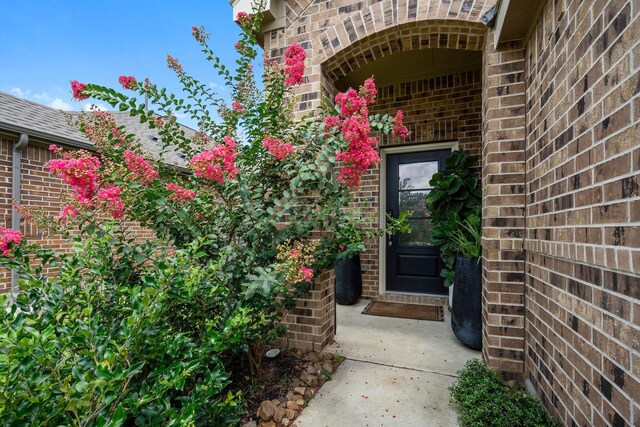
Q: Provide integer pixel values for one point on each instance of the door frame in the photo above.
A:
(384, 151)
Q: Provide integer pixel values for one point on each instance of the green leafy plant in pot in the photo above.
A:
(350, 240)
(455, 204)
(456, 194)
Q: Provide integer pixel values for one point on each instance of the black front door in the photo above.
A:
(413, 265)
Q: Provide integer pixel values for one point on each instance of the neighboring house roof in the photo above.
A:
(50, 125)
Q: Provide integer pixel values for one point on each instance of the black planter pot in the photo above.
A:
(348, 281)
(466, 309)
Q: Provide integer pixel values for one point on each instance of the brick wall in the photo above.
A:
(40, 190)
(583, 211)
(503, 156)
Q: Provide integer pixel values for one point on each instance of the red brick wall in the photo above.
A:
(40, 190)
(583, 211)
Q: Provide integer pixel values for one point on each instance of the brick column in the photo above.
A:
(503, 203)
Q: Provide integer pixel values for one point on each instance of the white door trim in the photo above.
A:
(382, 261)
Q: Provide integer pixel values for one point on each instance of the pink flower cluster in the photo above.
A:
(55, 149)
(278, 148)
(307, 273)
(355, 128)
(180, 194)
(110, 199)
(174, 64)
(80, 172)
(399, 129)
(140, 168)
(215, 163)
(243, 19)
(77, 90)
(294, 64)
(237, 107)
(199, 33)
(9, 236)
(128, 82)
(67, 212)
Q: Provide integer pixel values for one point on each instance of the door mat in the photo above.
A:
(405, 311)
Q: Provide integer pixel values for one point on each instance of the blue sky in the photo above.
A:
(46, 44)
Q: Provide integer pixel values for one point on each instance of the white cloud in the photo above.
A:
(94, 107)
(217, 87)
(19, 92)
(59, 104)
(43, 96)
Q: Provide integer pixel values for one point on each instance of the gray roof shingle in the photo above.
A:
(46, 123)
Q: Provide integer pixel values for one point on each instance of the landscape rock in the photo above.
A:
(291, 414)
(313, 357)
(293, 406)
(268, 424)
(285, 421)
(300, 390)
(310, 380)
(266, 411)
(309, 393)
(251, 423)
(328, 367)
(328, 356)
(280, 414)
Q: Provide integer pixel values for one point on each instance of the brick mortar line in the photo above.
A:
(587, 362)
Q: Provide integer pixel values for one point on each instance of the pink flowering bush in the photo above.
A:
(9, 238)
(240, 213)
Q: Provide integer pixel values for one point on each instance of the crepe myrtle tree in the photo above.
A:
(259, 191)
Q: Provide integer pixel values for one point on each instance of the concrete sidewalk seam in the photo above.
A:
(401, 367)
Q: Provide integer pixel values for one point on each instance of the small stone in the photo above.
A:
(280, 414)
(300, 402)
(283, 400)
(295, 382)
(267, 410)
(309, 393)
(318, 366)
(310, 380)
(327, 367)
(293, 406)
(313, 357)
(328, 356)
(285, 421)
(300, 390)
(292, 395)
(251, 423)
(291, 414)
(268, 424)
(511, 384)
(276, 402)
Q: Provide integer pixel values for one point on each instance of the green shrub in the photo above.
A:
(107, 341)
(485, 400)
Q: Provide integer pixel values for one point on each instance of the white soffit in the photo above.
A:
(516, 18)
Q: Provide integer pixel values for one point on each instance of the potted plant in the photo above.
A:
(350, 240)
(466, 308)
(456, 193)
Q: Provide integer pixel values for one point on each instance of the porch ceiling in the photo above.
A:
(413, 65)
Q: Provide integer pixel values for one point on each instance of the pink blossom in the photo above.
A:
(278, 148)
(180, 194)
(110, 199)
(243, 18)
(199, 34)
(350, 103)
(128, 82)
(173, 64)
(140, 168)
(368, 91)
(80, 171)
(55, 149)
(307, 273)
(331, 122)
(294, 64)
(77, 90)
(215, 163)
(9, 236)
(67, 212)
(159, 122)
(237, 107)
(239, 46)
(399, 129)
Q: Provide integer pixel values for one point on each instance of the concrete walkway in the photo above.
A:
(397, 373)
